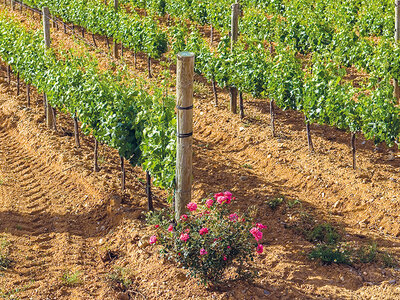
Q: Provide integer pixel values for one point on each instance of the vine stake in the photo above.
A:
(50, 115)
(9, 74)
(94, 40)
(96, 150)
(272, 111)
(234, 36)
(148, 192)
(353, 149)
(149, 66)
(122, 173)
(76, 132)
(309, 140)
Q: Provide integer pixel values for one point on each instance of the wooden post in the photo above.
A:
(50, 121)
(396, 88)
(148, 192)
(184, 104)
(235, 24)
(234, 36)
(115, 48)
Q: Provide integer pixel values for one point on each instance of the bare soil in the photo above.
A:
(60, 217)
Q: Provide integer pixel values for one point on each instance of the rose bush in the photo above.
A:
(209, 238)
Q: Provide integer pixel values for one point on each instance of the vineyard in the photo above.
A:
(296, 120)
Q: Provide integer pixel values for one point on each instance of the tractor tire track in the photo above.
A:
(50, 237)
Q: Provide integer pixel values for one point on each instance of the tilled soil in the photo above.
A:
(61, 218)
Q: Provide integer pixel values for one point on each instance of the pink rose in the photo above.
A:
(228, 194)
(156, 226)
(184, 237)
(207, 212)
(256, 233)
(170, 228)
(233, 217)
(184, 218)
(153, 239)
(203, 251)
(261, 226)
(192, 206)
(260, 248)
(222, 199)
(218, 195)
(225, 258)
(209, 203)
(187, 230)
(229, 247)
(204, 230)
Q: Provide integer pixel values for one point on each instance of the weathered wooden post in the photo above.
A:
(396, 90)
(184, 105)
(234, 24)
(50, 120)
(115, 48)
(234, 37)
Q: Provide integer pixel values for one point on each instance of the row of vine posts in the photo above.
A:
(184, 101)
